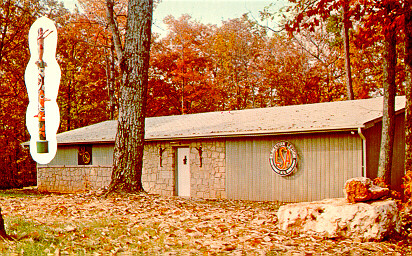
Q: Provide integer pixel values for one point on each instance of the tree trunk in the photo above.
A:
(346, 25)
(408, 85)
(111, 81)
(114, 28)
(134, 65)
(69, 102)
(388, 120)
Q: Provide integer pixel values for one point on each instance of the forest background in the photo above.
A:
(195, 67)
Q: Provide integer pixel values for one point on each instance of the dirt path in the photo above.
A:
(87, 224)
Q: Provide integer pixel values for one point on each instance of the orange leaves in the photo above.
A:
(407, 186)
(237, 66)
(181, 65)
(308, 14)
(368, 21)
(16, 17)
(153, 225)
(136, 224)
(82, 51)
(236, 46)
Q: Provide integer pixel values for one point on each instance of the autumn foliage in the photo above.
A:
(195, 67)
(407, 186)
(16, 167)
(81, 96)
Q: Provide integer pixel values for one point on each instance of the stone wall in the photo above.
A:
(158, 174)
(158, 177)
(207, 180)
(66, 179)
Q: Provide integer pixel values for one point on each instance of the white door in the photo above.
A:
(183, 172)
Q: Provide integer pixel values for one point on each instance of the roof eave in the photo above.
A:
(255, 133)
(226, 135)
(86, 142)
(373, 122)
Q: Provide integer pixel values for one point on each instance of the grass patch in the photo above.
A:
(31, 238)
(103, 236)
(23, 192)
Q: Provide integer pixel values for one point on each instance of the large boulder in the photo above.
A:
(333, 218)
(362, 189)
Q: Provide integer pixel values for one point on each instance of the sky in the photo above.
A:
(207, 11)
(204, 11)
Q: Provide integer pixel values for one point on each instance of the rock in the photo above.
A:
(361, 189)
(333, 218)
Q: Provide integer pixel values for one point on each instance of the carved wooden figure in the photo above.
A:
(42, 143)
(42, 79)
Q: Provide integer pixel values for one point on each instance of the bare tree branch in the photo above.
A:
(115, 31)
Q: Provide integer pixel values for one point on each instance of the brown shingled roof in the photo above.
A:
(319, 117)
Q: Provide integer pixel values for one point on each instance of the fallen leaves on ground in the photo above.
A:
(89, 224)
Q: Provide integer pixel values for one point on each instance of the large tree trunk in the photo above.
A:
(388, 120)
(408, 85)
(346, 25)
(134, 65)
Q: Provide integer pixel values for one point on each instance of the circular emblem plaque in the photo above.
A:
(283, 158)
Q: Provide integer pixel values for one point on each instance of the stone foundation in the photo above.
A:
(208, 176)
(66, 179)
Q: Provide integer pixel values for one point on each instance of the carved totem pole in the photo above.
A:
(42, 89)
(42, 143)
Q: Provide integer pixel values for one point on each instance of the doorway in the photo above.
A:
(183, 172)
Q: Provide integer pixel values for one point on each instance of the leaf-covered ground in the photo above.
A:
(89, 224)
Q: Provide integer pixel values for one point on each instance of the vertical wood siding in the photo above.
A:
(373, 142)
(398, 161)
(102, 155)
(65, 155)
(325, 162)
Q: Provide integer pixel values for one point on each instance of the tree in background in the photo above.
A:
(408, 84)
(297, 76)
(346, 45)
(82, 99)
(389, 27)
(376, 32)
(239, 66)
(16, 17)
(95, 15)
(234, 47)
(196, 67)
(163, 95)
(82, 95)
(181, 68)
(310, 15)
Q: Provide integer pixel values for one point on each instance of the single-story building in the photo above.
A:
(291, 153)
